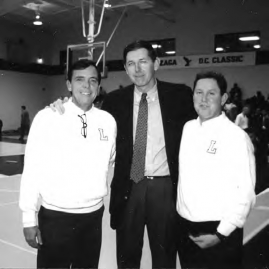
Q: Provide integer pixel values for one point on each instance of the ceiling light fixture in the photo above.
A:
(156, 46)
(39, 60)
(37, 20)
(107, 5)
(170, 52)
(257, 46)
(249, 38)
(219, 49)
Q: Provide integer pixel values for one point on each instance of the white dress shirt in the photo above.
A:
(156, 160)
(241, 121)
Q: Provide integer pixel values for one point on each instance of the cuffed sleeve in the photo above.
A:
(29, 191)
(245, 196)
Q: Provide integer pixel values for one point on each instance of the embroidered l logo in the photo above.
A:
(211, 148)
(102, 136)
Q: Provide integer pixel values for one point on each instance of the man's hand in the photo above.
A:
(58, 105)
(33, 236)
(205, 240)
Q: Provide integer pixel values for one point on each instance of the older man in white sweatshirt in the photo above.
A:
(66, 164)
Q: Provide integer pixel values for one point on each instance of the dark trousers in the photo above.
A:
(69, 240)
(24, 130)
(227, 254)
(151, 203)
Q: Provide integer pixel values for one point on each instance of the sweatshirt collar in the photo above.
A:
(75, 109)
(212, 123)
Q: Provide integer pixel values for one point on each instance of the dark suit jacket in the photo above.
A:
(176, 108)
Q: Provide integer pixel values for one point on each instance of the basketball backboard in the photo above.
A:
(91, 51)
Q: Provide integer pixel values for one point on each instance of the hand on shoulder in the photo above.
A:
(58, 105)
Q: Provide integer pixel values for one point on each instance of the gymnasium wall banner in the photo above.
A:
(213, 60)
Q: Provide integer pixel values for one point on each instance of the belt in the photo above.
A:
(156, 177)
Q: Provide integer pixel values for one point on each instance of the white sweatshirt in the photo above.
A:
(216, 173)
(64, 171)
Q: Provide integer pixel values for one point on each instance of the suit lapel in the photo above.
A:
(127, 119)
(164, 102)
(130, 109)
(165, 105)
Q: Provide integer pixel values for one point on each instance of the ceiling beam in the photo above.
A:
(73, 3)
(7, 6)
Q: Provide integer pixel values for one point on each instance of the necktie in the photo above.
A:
(140, 146)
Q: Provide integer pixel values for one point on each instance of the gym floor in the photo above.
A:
(15, 253)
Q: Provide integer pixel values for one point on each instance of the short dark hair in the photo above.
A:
(23, 107)
(218, 77)
(140, 44)
(81, 65)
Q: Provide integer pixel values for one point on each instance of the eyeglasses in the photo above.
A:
(84, 125)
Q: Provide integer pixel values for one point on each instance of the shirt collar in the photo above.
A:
(152, 94)
(212, 123)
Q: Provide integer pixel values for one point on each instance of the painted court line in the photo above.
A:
(265, 191)
(18, 247)
(6, 190)
(11, 161)
(7, 176)
(11, 203)
(254, 232)
(262, 207)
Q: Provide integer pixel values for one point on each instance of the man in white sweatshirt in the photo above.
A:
(65, 176)
(216, 181)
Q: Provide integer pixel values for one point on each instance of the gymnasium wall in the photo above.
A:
(17, 89)
(37, 91)
(192, 23)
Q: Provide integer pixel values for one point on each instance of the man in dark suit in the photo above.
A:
(152, 201)
(149, 200)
